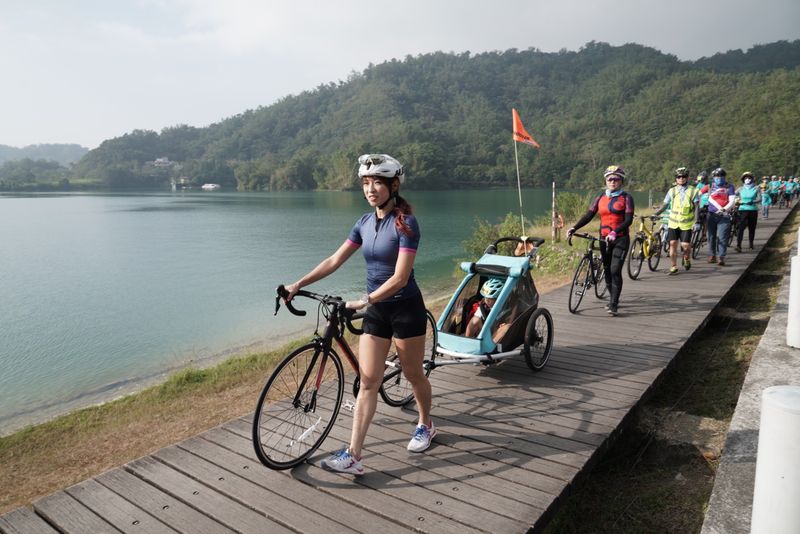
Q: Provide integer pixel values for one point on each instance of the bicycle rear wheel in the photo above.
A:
(635, 258)
(600, 286)
(396, 390)
(580, 283)
(697, 240)
(655, 256)
(298, 406)
(732, 230)
(538, 339)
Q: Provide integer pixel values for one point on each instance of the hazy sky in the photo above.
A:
(82, 71)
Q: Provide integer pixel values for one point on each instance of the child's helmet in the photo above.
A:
(491, 288)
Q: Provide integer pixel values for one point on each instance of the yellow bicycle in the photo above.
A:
(645, 244)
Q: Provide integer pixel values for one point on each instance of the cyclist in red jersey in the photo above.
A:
(615, 207)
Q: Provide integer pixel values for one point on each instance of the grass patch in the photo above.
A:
(709, 371)
(643, 485)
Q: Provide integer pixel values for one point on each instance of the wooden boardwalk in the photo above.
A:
(511, 444)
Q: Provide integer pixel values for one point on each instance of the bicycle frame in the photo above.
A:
(648, 234)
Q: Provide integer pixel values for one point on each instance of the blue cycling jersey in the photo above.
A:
(382, 242)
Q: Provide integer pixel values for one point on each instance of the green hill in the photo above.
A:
(447, 117)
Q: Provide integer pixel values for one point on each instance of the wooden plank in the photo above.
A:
(454, 465)
(167, 509)
(122, 514)
(24, 521)
(347, 488)
(488, 511)
(68, 515)
(255, 472)
(399, 482)
(272, 504)
(565, 404)
(529, 416)
(220, 508)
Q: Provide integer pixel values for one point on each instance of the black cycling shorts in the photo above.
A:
(676, 234)
(396, 318)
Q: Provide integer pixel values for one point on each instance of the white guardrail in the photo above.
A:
(793, 321)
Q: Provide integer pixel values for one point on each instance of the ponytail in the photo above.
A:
(400, 210)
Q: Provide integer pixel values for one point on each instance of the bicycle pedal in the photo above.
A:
(349, 405)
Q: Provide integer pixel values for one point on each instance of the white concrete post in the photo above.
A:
(777, 486)
(793, 314)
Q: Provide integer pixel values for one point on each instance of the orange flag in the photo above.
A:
(519, 131)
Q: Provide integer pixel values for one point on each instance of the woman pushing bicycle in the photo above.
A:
(615, 207)
(389, 237)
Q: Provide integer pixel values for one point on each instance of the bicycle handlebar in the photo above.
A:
(349, 315)
(583, 235)
(282, 294)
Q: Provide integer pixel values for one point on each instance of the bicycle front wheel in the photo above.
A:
(600, 286)
(580, 283)
(298, 406)
(635, 258)
(396, 390)
(655, 249)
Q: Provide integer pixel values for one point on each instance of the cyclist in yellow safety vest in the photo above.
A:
(681, 200)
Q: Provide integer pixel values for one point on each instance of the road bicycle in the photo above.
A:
(699, 237)
(302, 397)
(646, 243)
(590, 272)
(734, 215)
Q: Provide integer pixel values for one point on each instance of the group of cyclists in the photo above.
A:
(780, 190)
(714, 207)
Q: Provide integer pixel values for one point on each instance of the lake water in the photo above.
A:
(104, 293)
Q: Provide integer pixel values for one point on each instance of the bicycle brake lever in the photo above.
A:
(282, 294)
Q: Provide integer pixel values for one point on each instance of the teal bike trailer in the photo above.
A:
(515, 324)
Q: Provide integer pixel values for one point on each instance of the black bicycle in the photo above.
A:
(590, 272)
(699, 237)
(300, 402)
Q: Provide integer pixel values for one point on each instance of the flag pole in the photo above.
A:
(519, 190)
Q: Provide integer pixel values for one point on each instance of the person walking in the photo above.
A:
(389, 236)
(682, 202)
(766, 202)
(721, 202)
(615, 207)
(749, 195)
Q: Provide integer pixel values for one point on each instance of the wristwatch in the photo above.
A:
(364, 299)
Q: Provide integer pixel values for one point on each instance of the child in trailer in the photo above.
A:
(480, 310)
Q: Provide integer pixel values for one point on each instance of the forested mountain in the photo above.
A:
(63, 154)
(447, 117)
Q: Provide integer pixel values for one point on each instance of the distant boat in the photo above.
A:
(210, 187)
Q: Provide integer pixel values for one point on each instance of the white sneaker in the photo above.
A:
(421, 439)
(343, 462)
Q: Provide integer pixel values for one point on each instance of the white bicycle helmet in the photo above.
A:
(491, 288)
(380, 165)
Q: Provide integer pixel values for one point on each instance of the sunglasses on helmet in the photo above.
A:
(373, 159)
